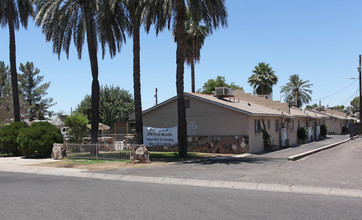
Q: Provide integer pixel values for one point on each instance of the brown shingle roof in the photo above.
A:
(240, 105)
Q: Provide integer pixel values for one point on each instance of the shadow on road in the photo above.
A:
(232, 161)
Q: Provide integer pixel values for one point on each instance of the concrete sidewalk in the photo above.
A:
(229, 173)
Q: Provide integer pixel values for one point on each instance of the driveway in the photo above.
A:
(336, 167)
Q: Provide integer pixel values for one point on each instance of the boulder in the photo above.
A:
(59, 151)
(139, 154)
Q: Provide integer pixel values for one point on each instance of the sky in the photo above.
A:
(319, 40)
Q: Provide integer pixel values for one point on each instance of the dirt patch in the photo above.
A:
(107, 165)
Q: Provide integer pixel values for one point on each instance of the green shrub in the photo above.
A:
(345, 130)
(8, 136)
(302, 133)
(266, 135)
(38, 139)
(324, 130)
(77, 124)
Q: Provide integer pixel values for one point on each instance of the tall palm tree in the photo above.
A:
(263, 79)
(213, 13)
(83, 19)
(297, 90)
(138, 12)
(195, 34)
(12, 13)
(195, 38)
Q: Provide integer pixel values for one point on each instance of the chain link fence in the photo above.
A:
(115, 151)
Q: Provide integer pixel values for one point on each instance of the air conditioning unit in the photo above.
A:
(221, 92)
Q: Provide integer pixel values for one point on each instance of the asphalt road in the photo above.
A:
(338, 167)
(25, 196)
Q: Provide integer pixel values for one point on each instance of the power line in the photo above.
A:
(334, 93)
(347, 101)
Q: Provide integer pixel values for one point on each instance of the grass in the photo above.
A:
(6, 155)
(84, 161)
(123, 156)
(172, 156)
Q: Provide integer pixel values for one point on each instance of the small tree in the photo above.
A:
(34, 92)
(211, 84)
(77, 124)
(355, 104)
(115, 105)
(266, 135)
(308, 107)
(324, 130)
(5, 81)
(302, 133)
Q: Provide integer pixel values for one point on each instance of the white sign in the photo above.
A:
(159, 136)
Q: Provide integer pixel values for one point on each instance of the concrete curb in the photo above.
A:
(301, 155)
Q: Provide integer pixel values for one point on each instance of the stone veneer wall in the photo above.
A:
(211, 144)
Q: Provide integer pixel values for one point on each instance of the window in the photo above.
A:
(298, 123)
(277, 125)
(257, 126)
(269, 124)
(187, 103)
(292, 125)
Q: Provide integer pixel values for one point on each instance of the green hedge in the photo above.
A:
(302, 133)
(38, 139)
(8, 136)
(324, 130)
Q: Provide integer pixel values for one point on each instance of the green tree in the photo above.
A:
(34, 92)
(116, 105)
(211, 84)
(6, 102)
(13, 13)
(309, 107)
(213, 14)
(355, 104)
(263, 79)
(5, 81)
(5, 94)
(93, 21)
(339, 108)
(297, 90)
(77, 124)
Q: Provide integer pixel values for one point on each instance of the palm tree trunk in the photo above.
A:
(14, 75)
(193, 76)
(180, 60)
(137, 80)
(92, 50)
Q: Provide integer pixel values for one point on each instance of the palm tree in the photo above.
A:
(263, 79)
(138, 12)
(297, 90)
(195, 37)
(213, 14)
(12, 13)
(83, 19)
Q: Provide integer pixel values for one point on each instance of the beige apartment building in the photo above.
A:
(232, 124)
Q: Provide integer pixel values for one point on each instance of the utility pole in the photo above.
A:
(156, 90)
(360, 95)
